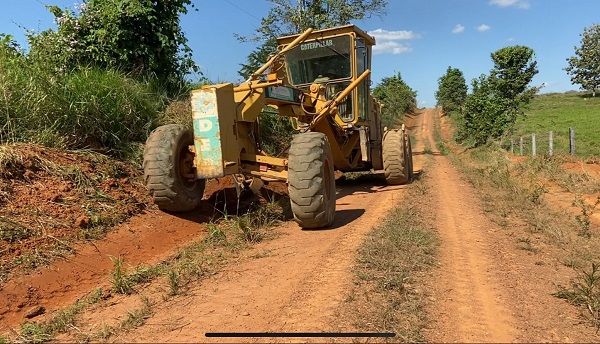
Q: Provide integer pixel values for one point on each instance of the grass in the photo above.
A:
(558, 112)
(60, 322)
(390, 263)
(83, 107)
(585, 292)
(198, 260)
(133, 319)
(513, 194)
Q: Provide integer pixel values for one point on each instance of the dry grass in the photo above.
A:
(515, 196)
(226, 238)
(391, 261)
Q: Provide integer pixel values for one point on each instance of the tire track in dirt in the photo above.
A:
(485, 289)
(297, 286)
(468, 306)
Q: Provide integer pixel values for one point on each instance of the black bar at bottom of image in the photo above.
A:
(299, 334)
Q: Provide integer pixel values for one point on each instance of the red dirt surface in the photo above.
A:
(144, 239)
(49, 198)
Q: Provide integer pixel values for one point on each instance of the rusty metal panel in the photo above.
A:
(213, 114)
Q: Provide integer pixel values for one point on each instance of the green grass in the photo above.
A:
(61, 321)
(558, 112)
(390, 264)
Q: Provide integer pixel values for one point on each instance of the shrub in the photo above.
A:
(396, 97)
(452, 90)
(86, 107)
(498, 99)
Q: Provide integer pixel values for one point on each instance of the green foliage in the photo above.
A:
(275, 132)
(497, 100)
(288, 17)
(141, 38)
(87, 107)
(396, 97)
(584, 67)
(452, 90)
(559, 112)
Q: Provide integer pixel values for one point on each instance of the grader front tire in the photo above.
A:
(395, 162)
(168, 169)
(311, 180)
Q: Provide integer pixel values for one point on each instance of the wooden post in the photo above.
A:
(550, 143)
(521, 145)
(512, 146)
(533, 145)
(572, 141)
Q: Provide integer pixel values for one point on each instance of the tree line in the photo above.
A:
(498, 99)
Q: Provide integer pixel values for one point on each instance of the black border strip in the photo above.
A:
(299, 334)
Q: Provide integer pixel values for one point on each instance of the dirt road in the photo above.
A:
(296, 286)
(483, 289)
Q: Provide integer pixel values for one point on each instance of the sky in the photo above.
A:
(417, 38)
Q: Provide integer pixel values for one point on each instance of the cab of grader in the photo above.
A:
(320, 80)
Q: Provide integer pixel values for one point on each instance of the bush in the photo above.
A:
(498, 99)
(397, 99)
(452, 90)
(86, 107)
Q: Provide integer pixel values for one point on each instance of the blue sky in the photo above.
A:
(418, 38)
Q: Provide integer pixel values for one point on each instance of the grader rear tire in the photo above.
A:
(311, 180)
(168, 169)
(395, 162)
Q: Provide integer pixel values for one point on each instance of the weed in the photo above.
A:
(585, 292)
(135, 318)
(12, 231)
(138, 316)
(526, 244)
(583, 219)
(216, 235)
(120, 282)
(174, 282)
(388, 264)
(41, 332)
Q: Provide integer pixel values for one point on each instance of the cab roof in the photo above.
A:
(340, 30)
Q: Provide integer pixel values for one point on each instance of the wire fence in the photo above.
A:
(543, 143)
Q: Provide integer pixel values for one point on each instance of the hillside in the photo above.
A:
(558, 112)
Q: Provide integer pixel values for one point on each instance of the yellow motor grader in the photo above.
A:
(320, 80)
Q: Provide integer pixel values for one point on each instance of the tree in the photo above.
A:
(498, 99)
(584, 67)
(396, 97)
(452, 90)
(288, 17)
(140, 37)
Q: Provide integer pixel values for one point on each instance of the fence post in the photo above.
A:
(533, 145)
(572, 141)
(550, 143)
(512, 146)
(521, 145)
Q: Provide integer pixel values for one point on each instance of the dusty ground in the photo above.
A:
(483, 289)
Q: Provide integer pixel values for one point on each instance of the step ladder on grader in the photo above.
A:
(320, 80)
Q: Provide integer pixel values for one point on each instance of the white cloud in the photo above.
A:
(390, 41)
(458, 29)
(385, 35)
(483, 28)
(524, 4)
(391, 47)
